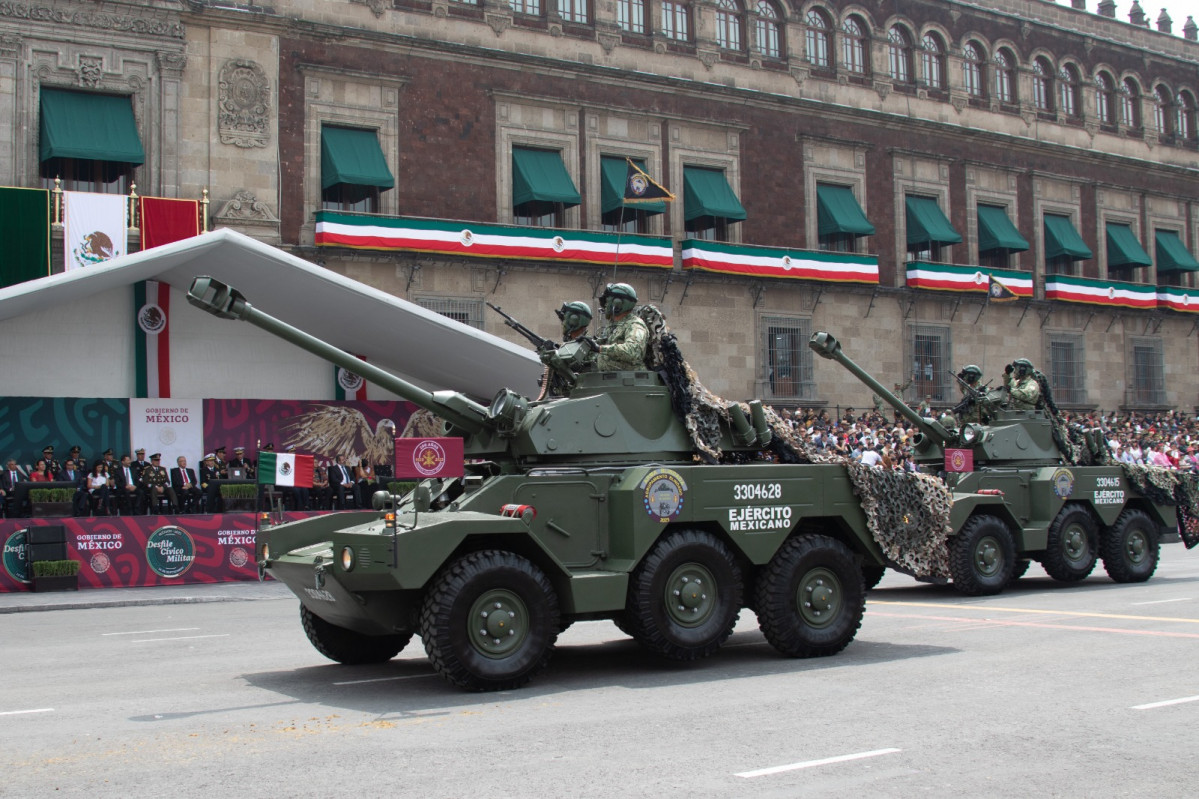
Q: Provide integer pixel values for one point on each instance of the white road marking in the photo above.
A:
(19, 712)
(147, 632)
(1153, 705)
(762, 772)
(178, 638)
(1163, 601)
(385, 679)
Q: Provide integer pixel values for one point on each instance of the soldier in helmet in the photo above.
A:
(575, 317)
(971, 408)
(622, 346)
(1024, 392)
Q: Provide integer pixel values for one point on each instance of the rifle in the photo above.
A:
(537, 341)
(972, 396)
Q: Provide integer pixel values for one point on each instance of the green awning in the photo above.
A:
(927, 224)
(615, 171)
(1172, 254)
(1063, 241)
(996, 231)
(353, 156)
(706, 192)
(540, 176)
(838, 212)
(95, 127)
(1123, 249)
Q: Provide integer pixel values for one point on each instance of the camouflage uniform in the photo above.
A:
(1023, 392)
(623, 346)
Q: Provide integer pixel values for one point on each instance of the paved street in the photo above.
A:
(1045, 690)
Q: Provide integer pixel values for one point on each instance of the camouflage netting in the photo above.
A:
(907, 513)
(1078, 446)
(1163, 486)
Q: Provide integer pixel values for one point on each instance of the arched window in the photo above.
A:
(932, 61)
(899, 49)
(676, 20)
(766, 30)
(1185, 120)
(853, 46)
(972, 69)
(728, 24)
(1005, 76)
(1130, 104)
(818, 34)
(1105, 96)
(1069, 90)
(1163, 119)
(630, 15)
(1042, 84)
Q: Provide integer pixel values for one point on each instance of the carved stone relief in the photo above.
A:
(243, 118)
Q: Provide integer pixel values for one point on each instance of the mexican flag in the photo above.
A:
(285, 469)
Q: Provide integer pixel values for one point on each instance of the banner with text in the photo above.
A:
(173, 427)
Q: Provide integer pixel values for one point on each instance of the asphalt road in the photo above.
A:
(1045, 690)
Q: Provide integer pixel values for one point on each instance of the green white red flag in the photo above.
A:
(285, 469)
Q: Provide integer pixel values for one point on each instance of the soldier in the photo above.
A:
(575, 317)
(241, 462)
(622, 347)
(156, 482)
(209, 475)
(1024, 392)
(52, 467)
(222, 465)
(971, 408)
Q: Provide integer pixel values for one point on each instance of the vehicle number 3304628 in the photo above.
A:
(757, 491)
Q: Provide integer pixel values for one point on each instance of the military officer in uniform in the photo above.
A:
(241, 462)
(209, 474)
(52, 467)
(222, 465)
(622, 346)
(575, 317)
(156, 482)
(1024, 392)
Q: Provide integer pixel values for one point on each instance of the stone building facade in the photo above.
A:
(1055, 118)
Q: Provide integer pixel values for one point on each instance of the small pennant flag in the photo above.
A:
(429, 457)
(285, 469)
(641, 188)
(998, 292)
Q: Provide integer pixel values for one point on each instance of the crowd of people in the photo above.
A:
(135, 484)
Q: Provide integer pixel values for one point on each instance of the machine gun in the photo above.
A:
(973, 394)
(537, 341)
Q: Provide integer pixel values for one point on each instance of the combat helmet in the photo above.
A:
(971, 374)
(574, 315)
(1023, 366)
(617, 299)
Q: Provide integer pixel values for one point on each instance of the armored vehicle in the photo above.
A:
(595, 505)
(1063, 503)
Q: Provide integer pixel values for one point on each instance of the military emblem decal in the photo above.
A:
(151, 319)
(663, 491)
(428, 457)
(1063, 483)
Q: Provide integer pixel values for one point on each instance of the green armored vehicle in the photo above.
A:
(1063, 502)
(595, 505)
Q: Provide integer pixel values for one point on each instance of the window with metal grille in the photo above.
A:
(468, 312)
(931, 362)
(1067, 369)
(1146, 380)
(787, 361)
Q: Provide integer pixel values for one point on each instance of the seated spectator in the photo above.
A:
(183, 481)
(40, 473)
(321, 493)
(368, 481)
(126, 491)
(70, 474)
(98, 489)
(8, 488)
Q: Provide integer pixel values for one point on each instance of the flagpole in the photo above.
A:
(619, 230)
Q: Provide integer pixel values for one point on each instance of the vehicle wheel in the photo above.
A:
(489, 621)
(1019, 570)
(872, 576)
(811, 597)
(1073, 545)
(981, 556)
(684, 597)
(1130, 547)
(347, 646)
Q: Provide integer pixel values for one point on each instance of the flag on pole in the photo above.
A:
(641, 188)
(93, 228)
(429, 457)
(165, 220)
(25, 231)
(998, 292)
(152, 339)
(285, 469)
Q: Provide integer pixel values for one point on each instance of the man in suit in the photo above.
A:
(8, 488)
(341, 480)
(183, 481)
(71, 474)
(128, 493)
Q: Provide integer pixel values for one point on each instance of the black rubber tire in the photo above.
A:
(461, 647)
(811, 575)
(982, 556)
(347, 646)
(872, 575)
(1019, 570)
(1130, 548)
(1073, 544)
(681, 562)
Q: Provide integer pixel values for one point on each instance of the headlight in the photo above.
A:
(266, 552)
(969, 434)
(347, 558)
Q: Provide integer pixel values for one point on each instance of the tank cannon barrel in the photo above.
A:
(826, 346)
(226, 302)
